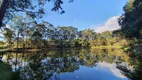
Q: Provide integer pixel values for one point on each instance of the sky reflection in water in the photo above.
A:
(82, 64)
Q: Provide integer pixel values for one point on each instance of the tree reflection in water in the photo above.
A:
(44, 65)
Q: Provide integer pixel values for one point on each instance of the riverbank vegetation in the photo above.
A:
(45, 35)
(34, 35)
(24, 32)
(6, 72)
(131, 27)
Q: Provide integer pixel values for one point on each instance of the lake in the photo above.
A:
(70, 64)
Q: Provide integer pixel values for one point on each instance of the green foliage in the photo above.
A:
(2, 43)
(87, 34)
(83, 42)
(108, 39)
(129, 7)
(5, 71)
(42, 35)
(33, 8)
(30, 34)
(67, 32)
(131, 20)
(9, 35)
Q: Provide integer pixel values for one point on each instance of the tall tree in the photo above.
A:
(9, 35)
(67, 33)
(35, 8)
(87, 34)
(131, 20)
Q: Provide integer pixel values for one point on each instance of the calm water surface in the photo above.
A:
(69, 64)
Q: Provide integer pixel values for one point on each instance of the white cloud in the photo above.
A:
(112, 68)
(110, 25)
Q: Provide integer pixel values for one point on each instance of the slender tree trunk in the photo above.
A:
(23, 43)
(26, 42)
(3, 8)
(16, 61)
(17, 41)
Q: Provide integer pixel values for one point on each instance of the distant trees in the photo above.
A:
(40, 35)
(28, 33)
(108, 38)
(67, 32)
(2, 43)
(9, 35)
(85, 37)
(87, 34)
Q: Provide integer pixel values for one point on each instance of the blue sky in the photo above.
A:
(84, 14)
(100, 15)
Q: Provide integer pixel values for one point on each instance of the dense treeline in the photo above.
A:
(27, 33)
(24, 33)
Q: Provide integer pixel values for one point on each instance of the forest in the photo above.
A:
(25, 33)
(33, 35)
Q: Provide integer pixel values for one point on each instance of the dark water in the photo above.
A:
(70, 64)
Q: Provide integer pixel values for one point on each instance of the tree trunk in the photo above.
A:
(3, 8)
(23, 43)
(26, 43)
(17, 41)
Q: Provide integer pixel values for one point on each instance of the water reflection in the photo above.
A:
(69, 64)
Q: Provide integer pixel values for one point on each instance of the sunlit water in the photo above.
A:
(69, 64)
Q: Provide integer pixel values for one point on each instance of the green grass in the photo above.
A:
(5, 71)
(3, 46)
(107, 47)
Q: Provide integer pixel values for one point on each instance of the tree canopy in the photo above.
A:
(131, 20)
(34, 8)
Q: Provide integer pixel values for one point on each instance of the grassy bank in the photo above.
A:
(107, 47)
(6, 72)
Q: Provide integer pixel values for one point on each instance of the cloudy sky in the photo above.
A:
(110, 25)
(100, 15)
(112, 67)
